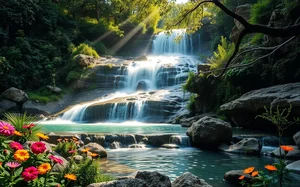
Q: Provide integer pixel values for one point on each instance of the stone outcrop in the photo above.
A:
(209, 132)
(85, 60)
(244, 11)
(296, 138)
(245, 146)
(16, 95)
(244, 109)
(95, 148)
(233, 176)
(189, 180)
(7, 105)
(54, 89)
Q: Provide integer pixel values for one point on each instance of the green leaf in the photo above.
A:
(18, 172)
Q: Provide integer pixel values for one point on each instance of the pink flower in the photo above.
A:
(55, 159)
(72, 151)
(15, 145)
(12, 165)
(38, 147)
(30, 173)
(6, 129)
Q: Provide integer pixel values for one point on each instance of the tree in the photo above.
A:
(191, 16)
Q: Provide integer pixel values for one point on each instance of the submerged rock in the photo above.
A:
(154, 179)
(121, 183)
(209, 132)
(245, 146)
(14, 94)
(137, 146)
(189, 180)
(170, 146)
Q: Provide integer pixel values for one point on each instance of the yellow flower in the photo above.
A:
(249, 170)
(255, 173)
(287, 148)
(17, 133)
(21, 155)
(44, 168)
(70, 176)
(271, 168)
(42, 136)
(85, 150)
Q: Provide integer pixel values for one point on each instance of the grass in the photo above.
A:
(44, 96)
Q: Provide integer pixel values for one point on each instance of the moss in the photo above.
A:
(43, 95)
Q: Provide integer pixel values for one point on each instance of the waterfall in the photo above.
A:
(165, 43)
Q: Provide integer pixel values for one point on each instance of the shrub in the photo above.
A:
(191, 105)
(84, 49)
(262, 10)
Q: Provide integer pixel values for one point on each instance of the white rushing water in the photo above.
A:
(169, 67)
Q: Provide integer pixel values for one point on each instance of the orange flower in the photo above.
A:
(241, 177)
(42, 136)
(71, 177)
(17, 133)
(21, 155)
(255, 173)
(249, 170)
(92, 154)
(85, 150)
(1, 164)
(287, 148)
(270, 167)
(44, 168)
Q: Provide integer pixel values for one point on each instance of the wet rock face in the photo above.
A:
(189, 180)
(209, 132)
(121, 183)
(14, 94)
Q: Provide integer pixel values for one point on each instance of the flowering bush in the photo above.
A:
(22, 165)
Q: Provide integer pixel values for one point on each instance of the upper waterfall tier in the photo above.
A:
(165, 44)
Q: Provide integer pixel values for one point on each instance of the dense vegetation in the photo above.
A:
(37, 38)
(279, 68)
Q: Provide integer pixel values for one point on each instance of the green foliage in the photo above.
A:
(221, 55)
(84, 49)
(262, 10)
(18, 121)
(44, 95)
(189, 84)
(191, 105)
(65, 146)
(257, 38)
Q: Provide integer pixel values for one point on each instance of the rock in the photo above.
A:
(60, 167)
(209, 132)
(126, 139)
(95, 148)
(203, 67)
(137, 146)
(157, 140)
(121, 183)
(245, 146)
(141, 58)
(187, 122)
(233, 176)
(170, 146)
(142, 86)
(100, 140)
(189, 180)
(244, 109)
(7, 105)
(296, 138)
(115, 145)
(54, 89)
(76, 158)
(154, 179)
(294, 166)
(87, 140)
(85, 60)
(34, 108)
(14, 94)
(244, 11)
(295, 154)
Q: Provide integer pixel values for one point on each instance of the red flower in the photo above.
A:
(28, 126)
(38, 147)
(30, 173)
(55, 159)
(15, 145)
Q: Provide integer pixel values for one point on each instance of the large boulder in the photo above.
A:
(54, 89)
(245, 146)
(94, 148)
(34, 108)
(16, 95)
(154, 179)
(7, 105)
(189, 180)
(209, 132)
(243, 111)
(233, 176)
(121, 183)
(296, 138)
